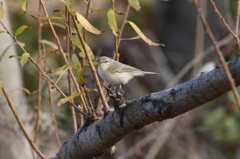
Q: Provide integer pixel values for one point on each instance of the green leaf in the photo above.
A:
(69, 6)
(85, 23)
(139, 32)
(59, 68)
(78, 70)
(47, 18)
(76, 42)
(21, 29)
(67, 99)
(112, 22)
(5, 51)
(135, 4)
(58, 12)
(2, 31)
(108, 9)
(24, 6)
(1, 10)
(24, 58)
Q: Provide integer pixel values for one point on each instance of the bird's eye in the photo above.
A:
(105, 61)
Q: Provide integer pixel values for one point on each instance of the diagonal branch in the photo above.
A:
(98, 137)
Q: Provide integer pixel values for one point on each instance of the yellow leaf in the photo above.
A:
(1, 85)
(24, 6)
(2, 31)
(19, 43)
(139, 32)
(46, 18)
(24, 58)
(78, 70)
(67, 99)
(1, 10)
(87, 25)
(14, 56)
(112, 22)
(135, 4)
(21, 29)
(133, 38)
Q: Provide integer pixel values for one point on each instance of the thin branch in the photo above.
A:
(10, 103)
(237, 20)
(37, 125)
(52, 107)
(218, 51)
(223, 21)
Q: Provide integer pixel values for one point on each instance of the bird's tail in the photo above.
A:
(142, 73)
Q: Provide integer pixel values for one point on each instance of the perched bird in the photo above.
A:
(115, 73)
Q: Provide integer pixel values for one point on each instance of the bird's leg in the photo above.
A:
(119, 104)
(110, 91)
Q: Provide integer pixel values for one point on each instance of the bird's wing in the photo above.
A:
(121, 68)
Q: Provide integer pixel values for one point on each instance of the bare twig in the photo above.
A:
(37, 125)
(87, 14)
(69, 50)
(52, 107)
(10, 103)
(223, 21)
(218, 51)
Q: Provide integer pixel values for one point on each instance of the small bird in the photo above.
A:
(116, 73)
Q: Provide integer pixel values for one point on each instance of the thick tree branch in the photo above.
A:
(98, 137)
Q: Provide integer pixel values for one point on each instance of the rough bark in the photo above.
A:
(98, 137)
